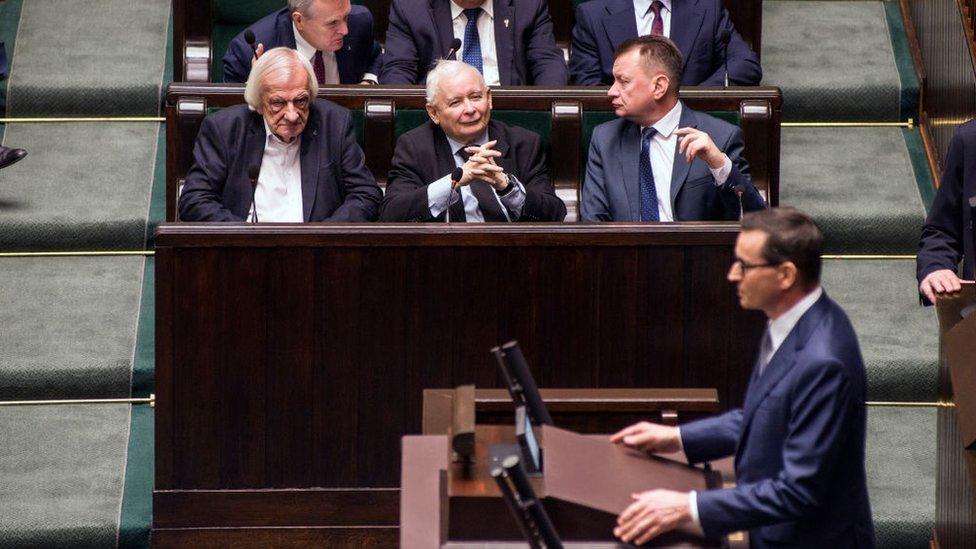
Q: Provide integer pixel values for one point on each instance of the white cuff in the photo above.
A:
(370, 77)
(693, 507)
(437, 194)
(722, 174)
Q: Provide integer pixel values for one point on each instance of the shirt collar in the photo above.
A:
(668, 123)
(305, 49)
(783, 325)
(455, 145)
(487, 7)
(643, 7)
(273, 139)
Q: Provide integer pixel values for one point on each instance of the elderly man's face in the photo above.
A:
(285, 102)
(635, 94)
(325, 25)
(462, 107)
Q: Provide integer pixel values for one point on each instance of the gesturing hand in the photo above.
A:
(696, 143)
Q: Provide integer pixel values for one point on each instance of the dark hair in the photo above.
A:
(656, 52)
(791, 236)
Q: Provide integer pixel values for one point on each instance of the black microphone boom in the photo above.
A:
(252, 174)
(455, 46)
(724, 37)
(250, 39)
(456, 176)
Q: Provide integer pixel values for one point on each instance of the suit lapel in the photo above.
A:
(496, 132)
(505, 42)
(680, 166)
(686, 21)
(440, 16)
(254, 142)
(620, 23)
(629, 166)
(311, 149)
(345, 64)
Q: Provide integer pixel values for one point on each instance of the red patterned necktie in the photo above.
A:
(657, 26)
(319, 65)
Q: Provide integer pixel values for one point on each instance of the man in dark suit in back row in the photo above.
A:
(336, 38)
(661, 161)
(701, 29)
(504, 173)
(798, 440)
(510, 42)
(285, 156)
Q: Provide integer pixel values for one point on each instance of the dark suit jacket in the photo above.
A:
(423, 156)
(359, 53)
(696, 25)
(421, 32)
(946, 237)
(336, 186)
(611, 191)
(798, 443)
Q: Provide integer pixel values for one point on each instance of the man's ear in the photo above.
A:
(432, 113)
(789, 275)
(661, 86)
(298, 19)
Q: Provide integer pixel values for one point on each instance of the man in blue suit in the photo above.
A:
(284, 156)
(334, 36)
(701, 29)
(661, 161)
(945, 238)
(798, 441)
(509, 41)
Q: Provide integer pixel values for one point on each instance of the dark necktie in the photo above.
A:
(657, 26)
(648, 194)
(472, 42)
(491, 210)
(765, 351)
(319, 65)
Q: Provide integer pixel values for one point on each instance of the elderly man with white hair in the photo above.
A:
(284, 156)
(504, 173)
(336, 38)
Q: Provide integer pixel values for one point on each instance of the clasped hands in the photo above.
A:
(481, 166)
(652, 512)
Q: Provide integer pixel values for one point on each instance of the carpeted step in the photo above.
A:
(901, 468)
(69, 326)
(835, 60)
(899, 338)
(858, 183)
(78, 58)
(85, 186)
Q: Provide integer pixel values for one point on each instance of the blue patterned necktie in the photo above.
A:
(472, 42)
(648, 194)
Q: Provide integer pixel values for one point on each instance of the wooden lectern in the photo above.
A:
(956, 484)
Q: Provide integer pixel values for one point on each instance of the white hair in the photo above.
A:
(447, 68)
(283, 61)
(301, 6)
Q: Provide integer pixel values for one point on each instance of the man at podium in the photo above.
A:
(798, 440)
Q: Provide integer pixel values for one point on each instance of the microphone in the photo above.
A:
(456, 176)
(455, 46)
(252, 174)
(250, 39)
(724, 37)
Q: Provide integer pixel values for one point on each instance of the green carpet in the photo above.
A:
(900, 462)
(85, 186)
(88, 57)
(69, 326)
(61, 469)
(833, 60)
(858, 183)
(899, 339)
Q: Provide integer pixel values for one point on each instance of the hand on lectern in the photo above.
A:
(649, 437)
(939, 282)
(652, 513)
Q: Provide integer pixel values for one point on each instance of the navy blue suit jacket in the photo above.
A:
(359, 53)
(611, 190)
(945, 237)
(336, 186)
(798, 443)
(602, 25)
(421, 32)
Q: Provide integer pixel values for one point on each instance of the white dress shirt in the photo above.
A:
(486, 32)
(645, 18)
(307, 51)
(779, 330)
(438, 192)
(278, 195)
(663, 146)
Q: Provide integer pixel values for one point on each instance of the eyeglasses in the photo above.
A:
(744, 267)
(300, 103)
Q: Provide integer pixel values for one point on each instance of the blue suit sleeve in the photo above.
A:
(237, 60)
(594, 198)
(361, 194)
(744, 67)
(584, 58)
(712, 438)
(739, 179)
(545, 59)
(400, 59)
(819, 411)
(941, 244)
(201, 199)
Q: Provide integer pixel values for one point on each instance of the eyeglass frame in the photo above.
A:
(744, 267)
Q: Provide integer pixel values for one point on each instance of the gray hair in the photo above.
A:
(283, 61)
(301, 6)
(447, 68)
